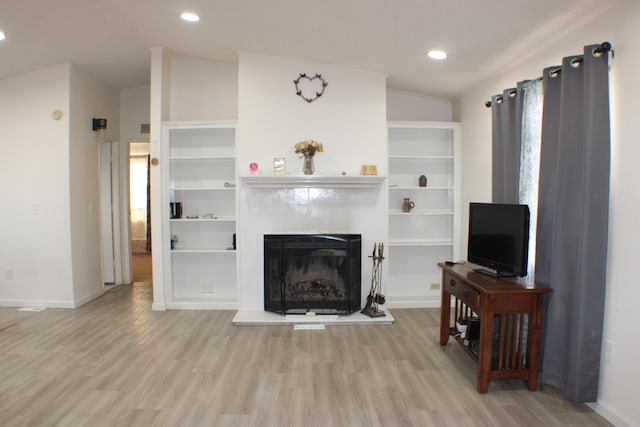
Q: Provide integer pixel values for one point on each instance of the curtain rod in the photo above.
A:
(597, 51)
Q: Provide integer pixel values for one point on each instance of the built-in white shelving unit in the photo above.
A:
(429, 233)
(199, 172)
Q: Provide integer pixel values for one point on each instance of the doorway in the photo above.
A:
(139, 211)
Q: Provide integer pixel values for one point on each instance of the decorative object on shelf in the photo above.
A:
(343, 173)
(308, 150)
(375, 297)
(368, 170)
(306, 84)
(174, 241)
(422, 181)
(407, 205)
(279, 166)
(308, 168)
(253, 168)
(229, 184)
(176, 210)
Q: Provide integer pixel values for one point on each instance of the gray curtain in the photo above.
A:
(506, 113)
(571, 255)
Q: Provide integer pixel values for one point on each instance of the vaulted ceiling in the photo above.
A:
(111, 38)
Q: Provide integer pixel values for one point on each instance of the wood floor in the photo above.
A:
(141, 267)
(114, 362)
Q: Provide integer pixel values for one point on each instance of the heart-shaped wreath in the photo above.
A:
(307, 85)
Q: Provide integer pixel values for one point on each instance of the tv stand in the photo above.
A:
(493, 273)
(510, 313)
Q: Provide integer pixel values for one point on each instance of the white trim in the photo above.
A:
(202, 305)
(606, 412)
(88, 298)
(313, 181)
(413, 301)
(36, 303)
(251, 318)
(158, 307)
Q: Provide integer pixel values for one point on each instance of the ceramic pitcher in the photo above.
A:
(407, 205)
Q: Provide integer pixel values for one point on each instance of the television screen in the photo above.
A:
(499, 238)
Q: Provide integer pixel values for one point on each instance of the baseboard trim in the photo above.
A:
(88, 298)
(609, 414)
(412, 302)
(36, 303)
(197, 305)
(156, 306)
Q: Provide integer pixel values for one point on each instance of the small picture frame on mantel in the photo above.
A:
(279, 166)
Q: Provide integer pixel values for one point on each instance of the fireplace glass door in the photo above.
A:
(320, 273)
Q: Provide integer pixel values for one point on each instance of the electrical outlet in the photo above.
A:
(435, 286)
(35, 209)
(8, 273)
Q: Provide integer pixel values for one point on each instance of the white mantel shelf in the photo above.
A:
(313, 181)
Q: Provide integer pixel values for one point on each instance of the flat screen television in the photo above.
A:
(499, 238)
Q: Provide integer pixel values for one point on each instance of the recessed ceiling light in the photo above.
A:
(191, 17)
(437, 54)
(2, 36)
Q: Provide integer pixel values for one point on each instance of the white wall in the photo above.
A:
(89, 98)
(620, 376)
(34, 176)
(134, 111)
(349, 119)
(203, 89)
(49, 174)
(405, 106)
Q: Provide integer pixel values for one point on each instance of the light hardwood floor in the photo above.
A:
(114, 362)
(141, 267)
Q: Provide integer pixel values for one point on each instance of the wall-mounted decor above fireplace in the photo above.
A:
(310, 88)
(319, 273)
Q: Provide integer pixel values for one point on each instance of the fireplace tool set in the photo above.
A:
(375, 297)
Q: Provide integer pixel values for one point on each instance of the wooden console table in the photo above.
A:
(510, 315)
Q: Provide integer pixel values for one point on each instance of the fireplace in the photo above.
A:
(318, 273)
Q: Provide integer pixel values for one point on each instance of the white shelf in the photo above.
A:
(313, 181)
(203, 251)
(398, 187)
(217, 188)
(199, 158)
(416, 212)
(420, 243)
(219, 219)
(429, 233)
(408, 157)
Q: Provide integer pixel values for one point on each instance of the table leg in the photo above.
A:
(445, 316)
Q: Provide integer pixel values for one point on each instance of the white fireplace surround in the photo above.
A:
(305, 205)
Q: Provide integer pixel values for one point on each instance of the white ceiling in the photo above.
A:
(110, 38)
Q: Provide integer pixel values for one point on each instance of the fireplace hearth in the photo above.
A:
(319, 273)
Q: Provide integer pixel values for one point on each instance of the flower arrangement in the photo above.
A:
(308, 148)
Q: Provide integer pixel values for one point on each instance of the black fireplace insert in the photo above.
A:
(318, 273)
